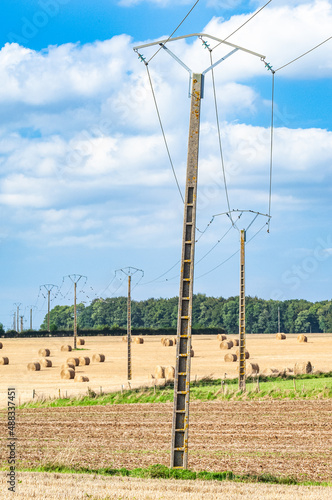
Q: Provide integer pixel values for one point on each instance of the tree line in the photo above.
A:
(296, 316)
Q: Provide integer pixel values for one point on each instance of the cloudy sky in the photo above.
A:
(86, 185)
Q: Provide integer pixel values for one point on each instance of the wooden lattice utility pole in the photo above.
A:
(75, 278)
(129, 271)
(180, 426)
(242, 316)
(48, 288)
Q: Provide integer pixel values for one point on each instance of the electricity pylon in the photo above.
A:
(129, 271)
(75, 278)
(17, 304)
(48, 287)
(180, 426)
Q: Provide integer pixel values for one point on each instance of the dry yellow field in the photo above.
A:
(112, 374)
(80, 486)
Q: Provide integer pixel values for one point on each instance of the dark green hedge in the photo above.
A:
(107, 331)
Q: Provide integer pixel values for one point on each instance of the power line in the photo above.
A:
(302, 55)
(219, 135)
(163, 132)
(170, 36)
(246, 22)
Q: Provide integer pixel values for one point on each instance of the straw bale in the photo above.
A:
(100, 358)
(162, 340)
(81, 378)
(230, 358)
(159, 372)
(67, 374)
(168, 342)
(4, 361)
(302, 338)
(74, 361)
(192, 353)
(236, 342)
(238, 353)
(44, 352)
(281, 336)
(46, 363)
(65, 366)
(221, 337)
(252, 369)
(169, 373)
(125, 338)
(84, 360)
(80, 342)
(34, 367)
(66, 348)
(138, 340)
(271, 372)
(1, 345)
(302, 367)
(174, 340)
(226, 344)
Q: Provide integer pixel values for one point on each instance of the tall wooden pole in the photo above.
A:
(75, 316)
(180, 426)
(242, 316)
(129, 327)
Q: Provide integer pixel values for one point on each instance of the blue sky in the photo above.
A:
(85, 182)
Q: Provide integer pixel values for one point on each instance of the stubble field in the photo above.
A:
(112, 374)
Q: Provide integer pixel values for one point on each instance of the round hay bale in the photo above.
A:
(1, 345)
(81, 378)
(252, 369)
(46, 363)
(44, 352)
(65, 366)
(281, 336)
(302, 368)
(84, 360)
(174, 340)
(74, 361)
(138, 340)
(66, 348)
(168, 342)
(226, 344)
(238, 353)
(67, 374)
(236, 342)
(34, 367)
(162, 340)
(80, 342)
(221, 337)
(302, 338)
(169, 373)
(100, 358)
(192, 353)
(230, 358)
(159, 372)
(271, 372)
(4, 361)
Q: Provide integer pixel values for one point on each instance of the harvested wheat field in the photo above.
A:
(82, 486)
(279, 437)
(265, 350)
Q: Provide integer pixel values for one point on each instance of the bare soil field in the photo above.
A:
(82, 486)
(110, 375)
(280, 437)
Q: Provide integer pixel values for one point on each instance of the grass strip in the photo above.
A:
(299, 388)
(159, 471)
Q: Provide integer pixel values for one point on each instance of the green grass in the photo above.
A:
(306, 387)
(163, 472)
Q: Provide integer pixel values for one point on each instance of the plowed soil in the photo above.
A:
(283, 438)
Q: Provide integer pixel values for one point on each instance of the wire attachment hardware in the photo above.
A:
(268, 66)
(140, 57)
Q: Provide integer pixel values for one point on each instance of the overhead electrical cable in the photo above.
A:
(214, 246)
(219, 134)
(246, 22)
(170, 36)
(163, 132)
(302, 55)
